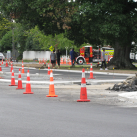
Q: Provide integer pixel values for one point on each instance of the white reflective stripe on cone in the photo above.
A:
(91, 71)
(51, 83)
(91, 66)
(12, 76)
(83, 74)
(51, 74)
(83, 85)
(19, 78)
(28, 81)
(28, 75)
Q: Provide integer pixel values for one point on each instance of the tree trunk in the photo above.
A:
(121, 57)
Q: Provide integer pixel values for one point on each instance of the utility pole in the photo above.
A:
(13, 43)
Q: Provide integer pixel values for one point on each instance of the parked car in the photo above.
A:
(2, 56)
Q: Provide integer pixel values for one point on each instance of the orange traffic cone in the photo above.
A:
(28, 76)
(51, 86)
(91, 73)
(45, 61)
(6, 64)
(12, 79)
(69, 61)
(64, 61)
(11, 67)
(39, 61)
(0, 70)
(22, 68)
(61, 62)
(28, 85)
(19, 81)
(9, 61)
(83, 92)
(48, 69)
(0, 67)
(2, 61)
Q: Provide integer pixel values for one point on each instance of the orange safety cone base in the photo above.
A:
(13, 82)
(83, 100)
(11, 69)
(19, 85)
(6, 65)
(51, 95)
(20, 88)
(22, 71)
(28, 89)
(28, 92)
(13, 85)
(48, 72)
(51, 87)
(91, 78)
(0, 68)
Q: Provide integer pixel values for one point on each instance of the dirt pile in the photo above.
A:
(130, 84)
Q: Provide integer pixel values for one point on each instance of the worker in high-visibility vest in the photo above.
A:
(103, 59)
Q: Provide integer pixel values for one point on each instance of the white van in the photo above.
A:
(2, 56)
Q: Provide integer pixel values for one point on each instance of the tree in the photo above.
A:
(50, 16)
(94, 21)
(5, 25)
(113, 21)
(6, 42)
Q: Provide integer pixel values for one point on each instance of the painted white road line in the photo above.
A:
(105, 81)
(59, 82)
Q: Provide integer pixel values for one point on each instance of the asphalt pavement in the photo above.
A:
(34, 115)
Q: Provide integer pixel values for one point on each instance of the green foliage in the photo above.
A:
(44, 42)
(50, 16)
(32, 40)
(20, 37)
(5, 25)
(36, 40)
(6, 42)
(93, 22)
(106, 21)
